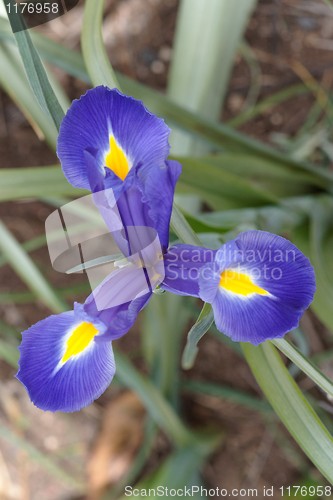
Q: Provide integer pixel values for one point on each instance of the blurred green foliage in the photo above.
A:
(243, 182)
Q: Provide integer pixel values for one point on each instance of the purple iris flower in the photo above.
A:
(107, 142)
(259, 284)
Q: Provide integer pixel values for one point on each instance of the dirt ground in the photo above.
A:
(289, 39)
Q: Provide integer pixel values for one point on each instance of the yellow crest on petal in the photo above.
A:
(79, 340)
(116, 159)
(240, 283)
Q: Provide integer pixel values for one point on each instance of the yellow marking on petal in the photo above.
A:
(79, 340)
(116, 159)
(240, 283)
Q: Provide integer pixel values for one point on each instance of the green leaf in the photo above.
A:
(277, 219)
(321, 231)
(9, 353)
(93, 49)
(182, 468)
(274, 178)
(329, 3)
(219, 135)
(35, 182)
(309, 368)
(182, 228)
(14, 81)
(72, 63)
(67, 59)
(291, 406)
(268, 103)
(229, 394)
(27, 270)
(285, 218)
(34, 67)
(315, 239)
(201, 65)
(214, 183)
(161, 337)
(158, 408)
(202, 325)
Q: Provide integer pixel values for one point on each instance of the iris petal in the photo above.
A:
(273, 265)
(183, 264)
(60, 372)
(97, 116)
(159, 190)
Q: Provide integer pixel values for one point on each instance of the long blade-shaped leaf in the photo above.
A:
(219, 135)
(291, 406)
(34, 182)
(305, 365)
(201, 65)
(315, 239)
(198, 330)
(15, 83)
(94, 53)
(182, 228)
(27, 270)
(34, 67)
(156, 405)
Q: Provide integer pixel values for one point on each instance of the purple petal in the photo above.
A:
(183, 264)
(102, 113)
(121, 319)
(117, 301)
(279, 266)
(274, 265)
(57, 385)
(159, 190)
(135, 203)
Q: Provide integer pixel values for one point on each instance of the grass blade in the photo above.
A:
(268, 103)
(201, 327)
(201, 65)
(219, 135)
(163, 325)
(9, 353)
(291, 406)
(70, 61)
(305, 365)
(156, 405)
(315, 238)
(35, 182)
(181, 469)
(228, 393)
(14, 81)
(94, 53)
(216, 134)
(34, 67)
(182, 228)
(27, 270)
